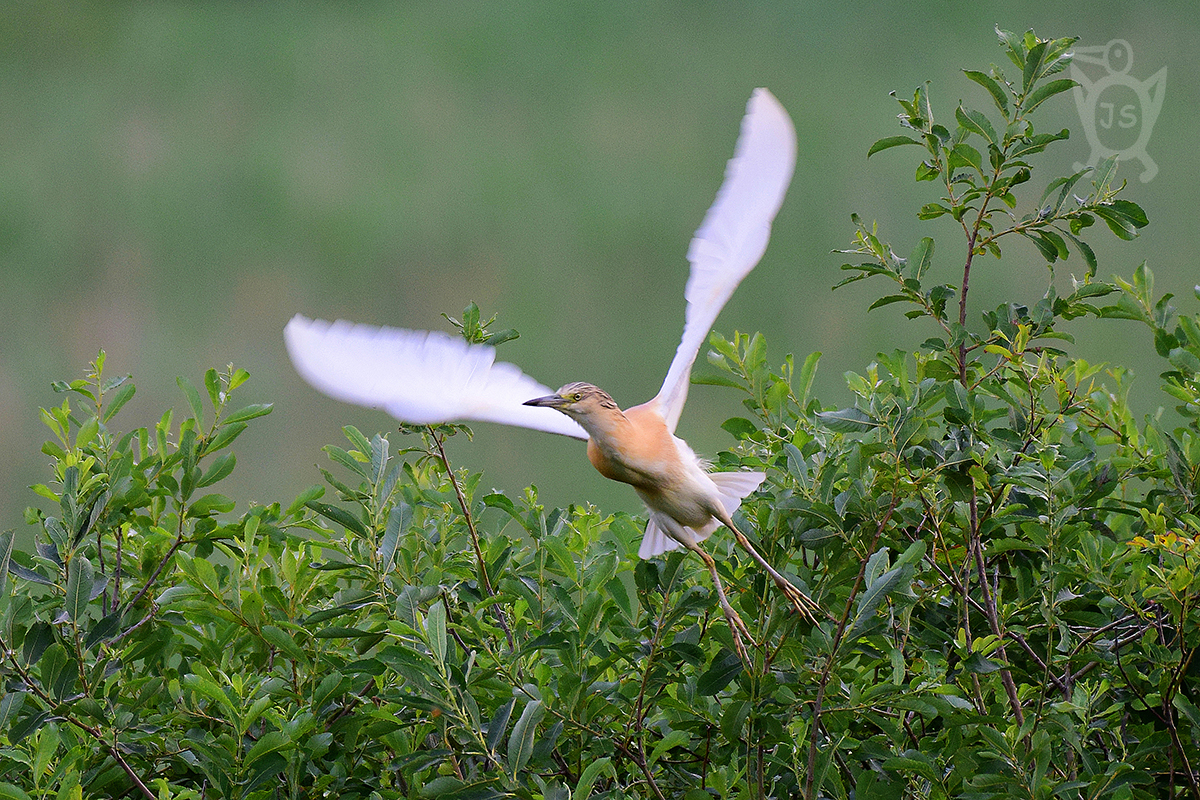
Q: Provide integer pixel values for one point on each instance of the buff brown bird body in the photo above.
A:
(422, 377)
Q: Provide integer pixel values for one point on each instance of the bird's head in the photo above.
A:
(579, 401)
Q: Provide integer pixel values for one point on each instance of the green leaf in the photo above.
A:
(1117, 222)
(269, 743)
(500, 337)
(1089, 256)
(880, 589)
(80, 576)
(1044, 245)
(379, 459)
(1046, 91)
(620, 596)
(724, 668)
(22, 729)
(117, 401)
(238, 377)
(913, 761)
(714, 379)
(1029, 145)
(887, 300)
(226, 433)
(211, 504)
(1184, 360)
(583, 789)
(740, 427)
(1131, 211)
(220, 468)
(207, 688)
(10, 706)
(357, 439)
(1013, 46)
(435, 630)
(1105, 171)
(1064, 186)
(283, 641)
(103, 630)
(980, 664)
(977, 122)
(921, 257)
(28, 574)
(7, 790)
(675, 738)
(6, 548)
(340, 516)
(846, 420)
(1035, 62)
(441, 787)
(248, 413)
(212, 382)
(999, 96)
(520, 743)
(330, 686)
(499, 724)
(733, 719)
(808, 371)
(399, 519)
(193, 398)
(348, 461)
(888, 142)
(338, 632)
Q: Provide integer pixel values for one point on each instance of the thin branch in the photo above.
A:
(993, 617)
(466, 512)
(179, 539)
(110, 748)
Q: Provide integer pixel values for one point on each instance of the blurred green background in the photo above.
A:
(178, 179)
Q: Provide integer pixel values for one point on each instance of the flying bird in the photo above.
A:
(424, 377)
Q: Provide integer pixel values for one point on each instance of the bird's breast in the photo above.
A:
(639, 451)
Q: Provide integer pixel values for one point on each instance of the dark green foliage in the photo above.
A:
(1007, 556)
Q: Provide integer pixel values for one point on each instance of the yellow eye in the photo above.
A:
(577, 397)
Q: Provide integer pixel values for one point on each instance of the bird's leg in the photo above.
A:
(803, 603)
(736, 626)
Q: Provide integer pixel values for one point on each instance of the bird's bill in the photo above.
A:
(549, 401)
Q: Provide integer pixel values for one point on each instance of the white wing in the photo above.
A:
(734, 234)
(420, 377)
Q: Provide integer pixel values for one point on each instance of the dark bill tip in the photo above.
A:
(551, 401)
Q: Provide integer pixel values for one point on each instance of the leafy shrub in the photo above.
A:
(1008, 557)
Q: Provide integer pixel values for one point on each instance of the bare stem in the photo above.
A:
(989, 605)
(466, 512)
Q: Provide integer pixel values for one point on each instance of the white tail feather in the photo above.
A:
(733, 487)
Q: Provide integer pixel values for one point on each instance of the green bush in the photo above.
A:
(1007, 555)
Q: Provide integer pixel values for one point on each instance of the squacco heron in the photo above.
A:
(429, 377)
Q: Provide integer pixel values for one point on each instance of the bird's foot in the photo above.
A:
(803, 603)
(739, 630)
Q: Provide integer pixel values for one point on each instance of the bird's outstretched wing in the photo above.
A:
(734, 234)
(420, 377)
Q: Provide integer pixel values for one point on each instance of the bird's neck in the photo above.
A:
(605, 427)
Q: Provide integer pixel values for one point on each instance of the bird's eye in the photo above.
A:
(577, 396)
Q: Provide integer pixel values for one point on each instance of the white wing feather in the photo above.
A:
(420, 377)
(734, 234)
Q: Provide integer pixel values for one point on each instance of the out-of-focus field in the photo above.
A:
(178, 179)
